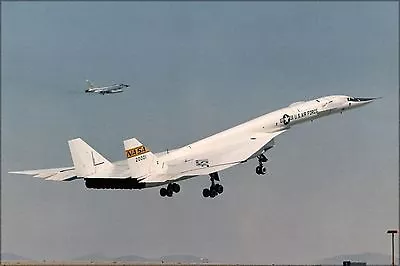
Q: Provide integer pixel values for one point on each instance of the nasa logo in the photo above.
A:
(136, 151)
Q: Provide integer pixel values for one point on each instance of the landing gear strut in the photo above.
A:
(214, 189)
(171, 189)
(260, 169)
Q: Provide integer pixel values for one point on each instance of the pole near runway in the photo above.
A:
(392, 232)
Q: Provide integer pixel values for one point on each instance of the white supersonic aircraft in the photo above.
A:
(143, 169)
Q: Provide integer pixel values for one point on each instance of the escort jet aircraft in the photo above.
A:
(115, 88)
(208, 156)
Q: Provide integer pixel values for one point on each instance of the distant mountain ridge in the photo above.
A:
(368, 257)
(170, 258)
(12, 256)
(131, 258)
(183, 258)
(92, 257)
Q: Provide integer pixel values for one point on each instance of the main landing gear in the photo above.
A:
(260, 169)
(214, 189)
(171, 189)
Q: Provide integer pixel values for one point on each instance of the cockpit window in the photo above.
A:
(354, 99)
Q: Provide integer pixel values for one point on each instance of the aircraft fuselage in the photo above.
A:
(276, 121)
(208, 156)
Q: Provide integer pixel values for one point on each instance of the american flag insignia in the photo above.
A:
(202, 163)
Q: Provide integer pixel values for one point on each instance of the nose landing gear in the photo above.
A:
(260, 169)
(214, 189)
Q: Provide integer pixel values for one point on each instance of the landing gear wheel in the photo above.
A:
(213, 193)
(219, 188)
(169, 192)
(258, 170)
(206, 192)
(214, 189)
(175, 187)
(263, 170)
(163, 192)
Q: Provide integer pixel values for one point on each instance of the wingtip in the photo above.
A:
(19, 172)
(73, 140)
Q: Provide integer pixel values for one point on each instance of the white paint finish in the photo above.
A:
(212, 154)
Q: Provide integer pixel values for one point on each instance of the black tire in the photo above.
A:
(213, 193)
(220, 189)
(263, 170)
(163, 192)
(169, 192)
(206, 192)
(258, 170)
(176, 187)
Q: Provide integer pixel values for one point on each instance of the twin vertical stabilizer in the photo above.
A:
(140, 159)
(86, 160)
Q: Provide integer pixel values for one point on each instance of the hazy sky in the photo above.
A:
(196, 69)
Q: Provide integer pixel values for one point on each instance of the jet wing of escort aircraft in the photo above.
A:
(115, 88)
(143, 169)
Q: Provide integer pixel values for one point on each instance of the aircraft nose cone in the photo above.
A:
(362, 101)
(367, 99)
(357, 101)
